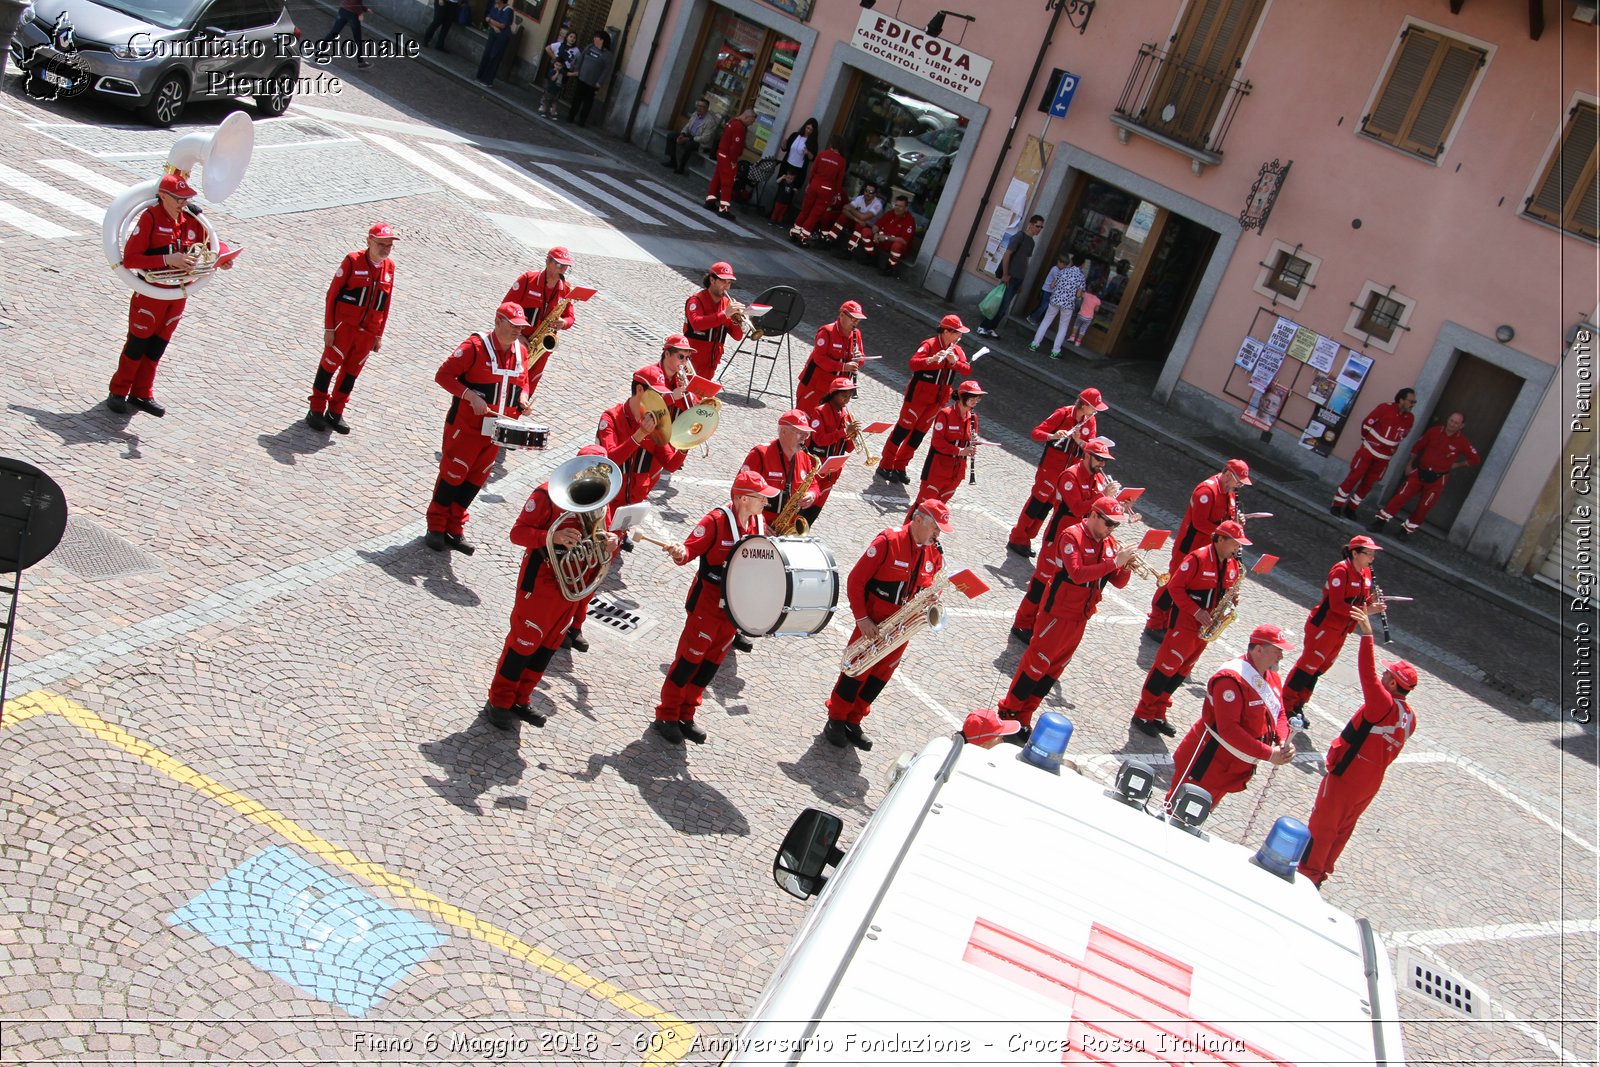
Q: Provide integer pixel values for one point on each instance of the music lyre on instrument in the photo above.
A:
(1228, 609)
(1152, 542)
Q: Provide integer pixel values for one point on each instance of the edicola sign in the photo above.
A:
(928, 57)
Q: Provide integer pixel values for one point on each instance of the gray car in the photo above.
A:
(157, 55)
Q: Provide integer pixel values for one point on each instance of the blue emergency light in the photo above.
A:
(1047, 744)
(1286, 843)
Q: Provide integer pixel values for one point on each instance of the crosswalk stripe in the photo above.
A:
(93, 179)
(682, 218)
(616, 202)
(555, 194)
(488, 174)
(679, 198)
(31, 186)
(423, 163)
(30, 223)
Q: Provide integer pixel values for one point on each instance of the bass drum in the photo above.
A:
(786, 586)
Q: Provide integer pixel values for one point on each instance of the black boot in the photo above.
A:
(858, 737)
(317, 421)
(838, 734)
(436, 540)
(671, 732)
(460, 544)
(118, 404)
(526, 713)
(500, 718)
(691, 732)
(336, 422)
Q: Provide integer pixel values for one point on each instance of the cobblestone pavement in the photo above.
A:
(254, 815)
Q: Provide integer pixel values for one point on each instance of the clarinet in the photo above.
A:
(972, 470)
(1383, 613)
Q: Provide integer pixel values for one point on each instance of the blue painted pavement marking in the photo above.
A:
(319, 933)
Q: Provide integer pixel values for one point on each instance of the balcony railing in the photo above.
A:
(1185, 106)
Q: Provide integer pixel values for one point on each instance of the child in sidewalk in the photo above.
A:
(1088, 306)
(1063, 301)
(1046, 287)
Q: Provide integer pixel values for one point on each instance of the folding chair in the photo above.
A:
(773, 329)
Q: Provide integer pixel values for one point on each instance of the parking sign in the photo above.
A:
(1063, 98)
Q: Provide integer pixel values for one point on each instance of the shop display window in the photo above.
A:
(901, 142)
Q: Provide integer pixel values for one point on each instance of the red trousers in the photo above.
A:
(1341, 800)
(707, 635)
(463, 468)
(1201, 759)
(151, 324)
(851, 699)
(812, 208)
(1365, 470)
(707, 357)
(344, 360)
(940, 479)
(1180, 650)
(1048, 654)
(539, 621)
(916, 415)
(1040, 500)
(1322, 647)
(721, 187)
(1409, 488)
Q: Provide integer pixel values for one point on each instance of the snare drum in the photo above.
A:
(786, 586)
(515, 434)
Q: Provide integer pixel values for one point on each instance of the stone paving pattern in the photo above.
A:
(302, 648)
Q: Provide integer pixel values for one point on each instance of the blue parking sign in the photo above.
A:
(1063, 98)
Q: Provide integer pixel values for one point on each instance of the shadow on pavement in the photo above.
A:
(94, 425)
(660, 772)
(832, 774)
(476, 759)
(414, 564)
(293, 441)
(1581, 746)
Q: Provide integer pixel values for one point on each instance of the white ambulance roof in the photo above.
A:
(1030, 908)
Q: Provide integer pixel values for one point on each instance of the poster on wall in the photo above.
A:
(1303, 344)
(800, 9)
(1322, 357)
(1008, 216)
(1267, 364)
(1334, 411)
(1249, 353)
(1282, 336)
(1265, 406)
(1312, 434)
(1321, 389)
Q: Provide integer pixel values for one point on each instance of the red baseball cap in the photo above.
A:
(177, 185)
(1240, 470)
(651, 376)
(939, 512)
(512, 313)
(592, 450)
(1233, 530)
(749, 483)
(383, 231)
(1268, 634)
(952, 322)
(853, 309)
(678, 341)
(1404, 673)
(1096, 446)
(986, 723)
(1110, 507)
(560, 254)
(840, 384)
(971, 388)
(796, 418)
(1091, 396)
(721, 269)
(1363, 541)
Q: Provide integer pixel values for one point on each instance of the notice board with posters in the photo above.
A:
(1007, 217)
(1285, 373)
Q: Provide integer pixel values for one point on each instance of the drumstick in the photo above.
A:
(638, 536)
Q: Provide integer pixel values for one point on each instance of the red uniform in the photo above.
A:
(953, 430)
(729, 149)
(707, 325)
(828, 438)
(1357, 761)
(1381, 434)
(932, 384)
(1075, 491)
(538, 301)
(891, 571)
(540, 615)
(1240, 724)
(642, 463)
(1082, 569)
(151, 322)
(468, 452)
(784, 474)
(1209, 506)
(1057, 455)
(1199, 582)
(834, 348)
(1347, 586)
(1435, 455)
(893, 231)
(822, 188)
(357, 310)
(708, 631)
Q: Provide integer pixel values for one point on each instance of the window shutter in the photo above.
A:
(1572, 171)
(1388, 119)
(1445, 96)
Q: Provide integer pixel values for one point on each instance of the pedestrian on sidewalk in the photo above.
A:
(446, 13)
(1013, 267)
(1047, 287)
(793, 161)
(698, 134)
(1382, 432)
(351, 12)
(593, 65)
(1088, 307)
(1063, 304)
(561, 56)
(1437, 452)
(498, 23)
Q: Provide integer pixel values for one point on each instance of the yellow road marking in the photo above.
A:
(675, 1037)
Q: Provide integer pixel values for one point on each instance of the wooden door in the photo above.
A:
(1483, 393)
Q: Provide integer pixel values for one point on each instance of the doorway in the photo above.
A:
(1484, 393)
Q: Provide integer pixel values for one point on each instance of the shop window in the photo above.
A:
(1379, 316)
(1287, 274)
(902, 143)
(1424, 91)
(1567, 194)
(741, 64)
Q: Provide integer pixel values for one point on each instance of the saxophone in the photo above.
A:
(922, 611)
(545, 336)
(788, 521)
(1227, 611)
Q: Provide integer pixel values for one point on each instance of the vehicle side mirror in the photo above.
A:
(215, 31)
(809, 848)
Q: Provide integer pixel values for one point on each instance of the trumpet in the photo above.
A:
(737, 312)
(859, 439)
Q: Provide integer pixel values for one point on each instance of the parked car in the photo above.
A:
(155, 56)
(928, 146)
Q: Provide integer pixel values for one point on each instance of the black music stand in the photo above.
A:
(33, 516)
(787, 307)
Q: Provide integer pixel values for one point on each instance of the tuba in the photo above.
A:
(582, 487)
(223, 154)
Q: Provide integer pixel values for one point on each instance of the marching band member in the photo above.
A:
(1382, 431)
(161, 238)
(1087, 559)
(707, 631)
(899, 562)
(838, 351)
(986, 729)
(1196, 587)
(540, 615)
(1076, 490)
(1212, 503)
(709, 319)
(830, 436)
(784, 462)
(677, 368)
(891, 234)
(1063, 433)
(934, 367)
(1359, 757)
(1348, 585)
(1241, 722)
(468, 452)
(955, 437)
(1440, 450)
(719, 194)
(352, 326)
(538, 293)
(822, 187)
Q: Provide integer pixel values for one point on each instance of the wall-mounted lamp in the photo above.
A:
(869, 4)
(1078, 12)
(936, 24)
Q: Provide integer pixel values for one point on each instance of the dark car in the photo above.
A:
(157, 55)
